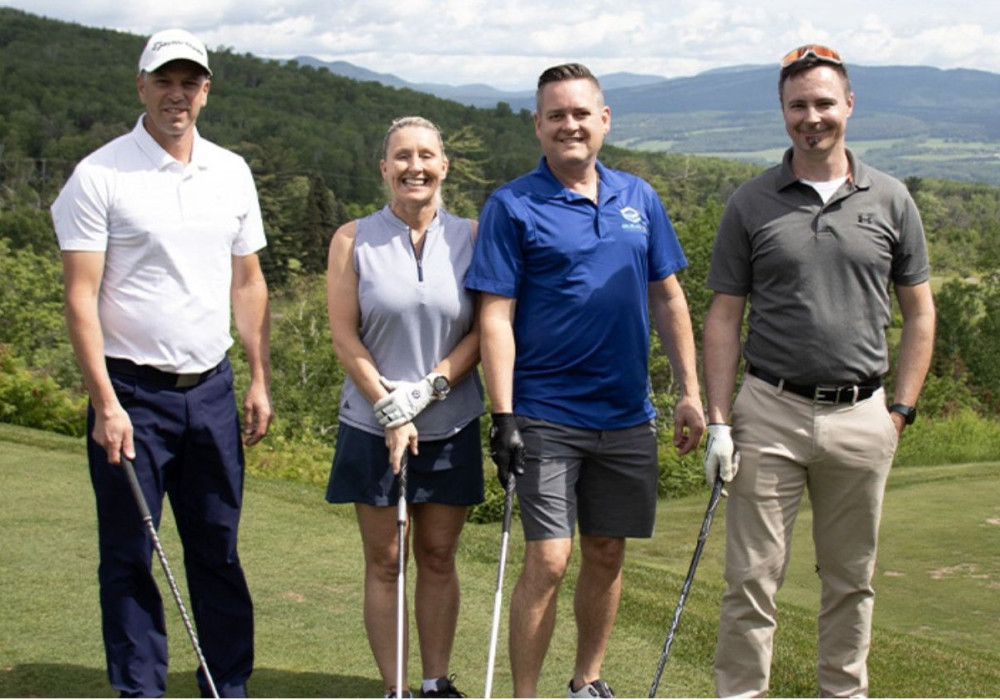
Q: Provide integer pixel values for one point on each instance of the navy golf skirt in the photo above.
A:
(448, 471)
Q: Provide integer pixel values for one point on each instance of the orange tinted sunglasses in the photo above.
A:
(822, 53)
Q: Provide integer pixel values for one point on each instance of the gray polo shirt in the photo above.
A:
(818, 275)
(414, 311)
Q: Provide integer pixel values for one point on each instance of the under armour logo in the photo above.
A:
(866, 218)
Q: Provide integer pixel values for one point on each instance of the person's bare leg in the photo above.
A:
(380, 538)
(436, 529)
(533, 610)
(598, 592)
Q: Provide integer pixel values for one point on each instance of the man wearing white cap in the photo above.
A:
(160, 231)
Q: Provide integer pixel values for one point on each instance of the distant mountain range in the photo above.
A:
(910, 121)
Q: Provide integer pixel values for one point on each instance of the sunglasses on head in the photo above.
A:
(821, 53)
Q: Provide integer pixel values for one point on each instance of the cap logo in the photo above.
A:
(162, 44)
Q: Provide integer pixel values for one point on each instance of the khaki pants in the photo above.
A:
(840, 453)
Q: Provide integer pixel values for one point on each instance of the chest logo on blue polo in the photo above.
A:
(631, 215)
(633, 220)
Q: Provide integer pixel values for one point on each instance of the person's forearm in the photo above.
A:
(498, 352)
(721, 360)
(462, 359)
(916, 346)
(251, 312)
(677, 340)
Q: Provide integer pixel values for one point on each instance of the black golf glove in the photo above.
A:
(506, 447)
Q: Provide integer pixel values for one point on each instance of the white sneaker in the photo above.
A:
(594, 689)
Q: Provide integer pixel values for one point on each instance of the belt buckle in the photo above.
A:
(186, 381)
(832, 394)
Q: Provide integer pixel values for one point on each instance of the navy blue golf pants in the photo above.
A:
(187, 444)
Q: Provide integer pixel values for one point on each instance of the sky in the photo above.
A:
(507, 43)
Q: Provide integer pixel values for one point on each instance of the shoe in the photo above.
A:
(445, 689)
(392, 693)
(594, 689)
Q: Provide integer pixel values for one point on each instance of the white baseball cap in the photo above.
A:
(173, 45)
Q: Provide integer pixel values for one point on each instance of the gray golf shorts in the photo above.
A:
(605, 479)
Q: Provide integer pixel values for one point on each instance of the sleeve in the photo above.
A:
(251, 236)
(497, 259)
(910, 264)
(80, 214)
(665, 254)
(729, 270)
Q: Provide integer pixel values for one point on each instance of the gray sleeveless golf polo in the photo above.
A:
(414, 311)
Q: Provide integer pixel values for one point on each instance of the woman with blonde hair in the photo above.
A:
(404, 328)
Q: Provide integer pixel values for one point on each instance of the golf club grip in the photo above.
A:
(508, 503)
(401, 498)
(133, 482)
(706, 525)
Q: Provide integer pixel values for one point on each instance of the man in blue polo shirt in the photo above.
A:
(566, 259)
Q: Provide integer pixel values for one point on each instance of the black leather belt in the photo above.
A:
(146, 373)
(822, 393)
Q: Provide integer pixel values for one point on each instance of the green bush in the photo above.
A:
(958, 439)
(34, 400)
(304, 458)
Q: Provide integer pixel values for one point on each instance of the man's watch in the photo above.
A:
(440, 386)
(909, 413)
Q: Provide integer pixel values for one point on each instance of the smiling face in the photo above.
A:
(816, 105)
(571, 123)
(173, 95)
(414, 166)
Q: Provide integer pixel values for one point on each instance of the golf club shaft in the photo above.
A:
(401, 576)
(147, 519)
(508, 507)
(706, 524)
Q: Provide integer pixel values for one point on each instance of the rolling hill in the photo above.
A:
(910, 121)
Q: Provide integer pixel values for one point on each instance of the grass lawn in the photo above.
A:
(937, 617)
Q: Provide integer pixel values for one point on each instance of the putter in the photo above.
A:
(508, 507)
(401, 576)
(147, 520)
(713, 503)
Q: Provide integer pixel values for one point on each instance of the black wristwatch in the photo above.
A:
(440, 386)
(909, 413)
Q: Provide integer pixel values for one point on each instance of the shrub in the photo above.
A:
(960, 438)
(34, 400)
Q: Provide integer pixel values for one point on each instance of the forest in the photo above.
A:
(312, 140)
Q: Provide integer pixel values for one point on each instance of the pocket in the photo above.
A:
(125, 389)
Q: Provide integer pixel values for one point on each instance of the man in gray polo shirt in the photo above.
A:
(815, 244)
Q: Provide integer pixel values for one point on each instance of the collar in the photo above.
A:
(159, 157)
(857, 172)
(395, 222)
(546, 184)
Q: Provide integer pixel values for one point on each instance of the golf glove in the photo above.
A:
(721, 457)
(404, 401)
(506, 447)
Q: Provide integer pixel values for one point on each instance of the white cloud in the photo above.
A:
(506, 43)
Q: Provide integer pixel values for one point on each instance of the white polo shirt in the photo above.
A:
(168, 232)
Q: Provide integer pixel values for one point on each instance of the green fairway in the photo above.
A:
(937, 615)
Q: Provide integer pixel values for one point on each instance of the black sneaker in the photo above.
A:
(445, 689)
(392, 693)
(594, 689)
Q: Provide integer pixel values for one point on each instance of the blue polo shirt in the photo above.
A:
(580, 274)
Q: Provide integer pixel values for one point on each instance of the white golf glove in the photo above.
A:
(404, 402)
(721, 457)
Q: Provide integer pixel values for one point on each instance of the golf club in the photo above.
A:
(713, 503)
(401, 576)
(147, 519)
(508, 507)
